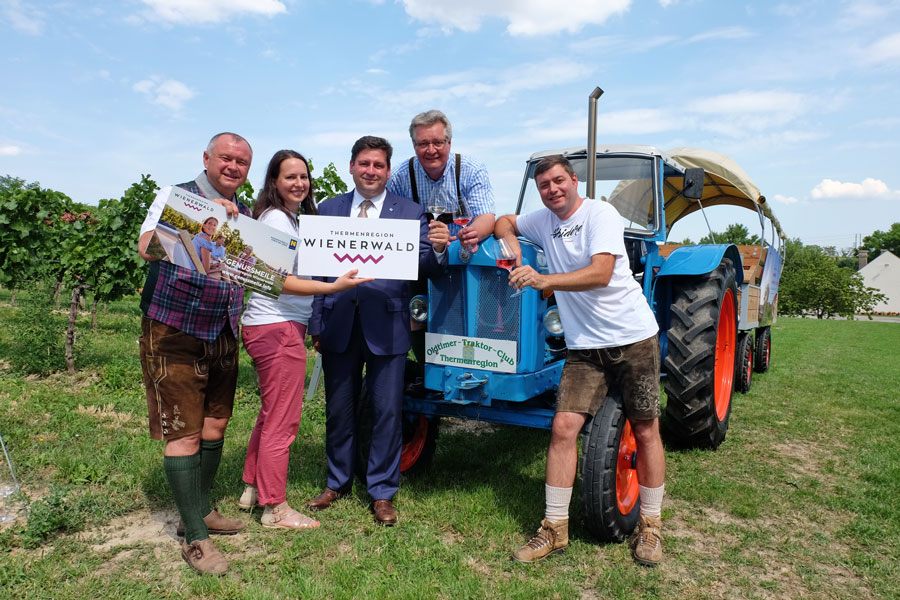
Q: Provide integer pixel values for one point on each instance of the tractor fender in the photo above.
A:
(699, 260)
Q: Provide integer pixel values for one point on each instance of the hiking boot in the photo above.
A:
(249, 497)
(551, 538)
(203, 557)
(646, 545)
(216, 524)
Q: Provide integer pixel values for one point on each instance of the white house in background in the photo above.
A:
(883, 274)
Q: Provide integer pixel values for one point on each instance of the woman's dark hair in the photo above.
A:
(268, 195)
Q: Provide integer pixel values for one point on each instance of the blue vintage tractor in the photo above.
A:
(497, 358)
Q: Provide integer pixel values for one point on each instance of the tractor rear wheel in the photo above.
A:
(763, 349)
(700, 359)
(743, 372)
(609, 483)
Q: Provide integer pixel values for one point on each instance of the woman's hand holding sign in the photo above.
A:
(308, 287)
(349, 280)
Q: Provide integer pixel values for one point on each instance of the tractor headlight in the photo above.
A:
(552, 323)
(418, 308)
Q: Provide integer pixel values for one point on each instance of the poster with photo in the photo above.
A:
(196, 234)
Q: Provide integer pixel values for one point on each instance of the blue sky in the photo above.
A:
(803, 95)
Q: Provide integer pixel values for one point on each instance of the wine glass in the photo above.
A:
(462, 216)
(506, 259)
(437, 204)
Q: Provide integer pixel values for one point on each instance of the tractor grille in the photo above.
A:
(494, 314)
(497, 314)
(446, 297)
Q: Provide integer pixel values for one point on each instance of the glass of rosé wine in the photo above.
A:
(506, 259)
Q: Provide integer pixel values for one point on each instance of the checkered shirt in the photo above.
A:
(188, 301)
(474, 184)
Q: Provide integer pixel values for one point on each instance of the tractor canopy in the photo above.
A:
(724, 183)
(624, 179)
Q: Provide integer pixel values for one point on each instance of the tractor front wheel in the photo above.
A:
(418, 443)
(700, 361)
(609, 482)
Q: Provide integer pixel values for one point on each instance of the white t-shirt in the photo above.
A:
(614, 315)
(262, 310)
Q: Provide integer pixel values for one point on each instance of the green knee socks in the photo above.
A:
(183, 473)
(210, 456)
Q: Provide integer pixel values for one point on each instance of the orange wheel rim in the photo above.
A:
(724, 370)
(412, 450)
(627, 491)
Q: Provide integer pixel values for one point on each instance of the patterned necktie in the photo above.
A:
(364, 209)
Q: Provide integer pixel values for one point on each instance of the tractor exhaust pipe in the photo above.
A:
(592, 142)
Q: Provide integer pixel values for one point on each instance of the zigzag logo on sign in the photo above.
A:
(358, 257)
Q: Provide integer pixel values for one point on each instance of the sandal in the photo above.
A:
(248, 498)
(285, 517)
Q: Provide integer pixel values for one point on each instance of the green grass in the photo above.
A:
(802, 500)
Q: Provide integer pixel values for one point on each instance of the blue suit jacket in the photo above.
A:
(384, 303)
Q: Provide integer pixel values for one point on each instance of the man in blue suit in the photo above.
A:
(369, 325)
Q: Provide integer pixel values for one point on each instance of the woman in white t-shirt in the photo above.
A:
(274, 333)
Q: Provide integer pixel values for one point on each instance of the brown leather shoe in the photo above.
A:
(385, 513)
(325, 499)
(203, 557)
(216, 524)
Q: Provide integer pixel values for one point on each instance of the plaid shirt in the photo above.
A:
(191, 302)
(474, 185)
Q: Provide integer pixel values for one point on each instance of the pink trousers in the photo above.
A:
(279, 354)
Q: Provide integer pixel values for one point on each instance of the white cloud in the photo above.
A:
(869, 188)
(169, 93)
(376, 71)
(786, 199)
(861, 12)
(882, 122)
(786, 9)
(483, 87)
(10, 150)
(146, 86)
(723, 33)
(24, 18)
(885, 50)
(621, 44)
(666, 3)
(209, 11)
(751, 102)
(637, 122)
(533, 17)
(741, 113)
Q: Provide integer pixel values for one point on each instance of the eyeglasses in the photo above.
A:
(437, 144)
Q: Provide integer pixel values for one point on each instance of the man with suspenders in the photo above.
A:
(430, 174)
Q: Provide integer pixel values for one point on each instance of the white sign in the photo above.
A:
(380, 248)
(477, 353)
